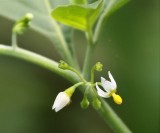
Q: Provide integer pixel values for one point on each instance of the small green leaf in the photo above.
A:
(81, 17)
(113, 5)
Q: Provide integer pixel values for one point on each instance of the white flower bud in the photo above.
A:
(61, 101)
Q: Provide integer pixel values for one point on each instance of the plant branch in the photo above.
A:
(112, 119)
(98, 27)
(105, 111)
(66, 53)
(38, 60)
(88, 61)
(88, 55)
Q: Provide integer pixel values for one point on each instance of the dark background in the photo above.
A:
(128, 47)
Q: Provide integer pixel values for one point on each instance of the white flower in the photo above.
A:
(110, 88)
(61, 101)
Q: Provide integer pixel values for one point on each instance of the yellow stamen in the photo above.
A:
(117, 99)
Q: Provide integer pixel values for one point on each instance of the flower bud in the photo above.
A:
(63, 65)
(64, 98)
(61, 101)
(84, 103)
(98, 66)
(21, 25)
(96, 104)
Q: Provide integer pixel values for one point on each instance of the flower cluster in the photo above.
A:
(110, 89)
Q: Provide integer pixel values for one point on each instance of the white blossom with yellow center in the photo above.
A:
(110, 88)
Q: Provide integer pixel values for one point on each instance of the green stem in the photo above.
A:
(62, 44)
(112, 119)
(92, 75)
(14, 40)
(88, 55)
(106, 112)
(78, 74)
(39, 60)
(87, 61)
(98, 28)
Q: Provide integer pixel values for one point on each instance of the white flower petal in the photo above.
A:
(112, 80)
(107, 85)
(101, 92)
(103, 80)
(61, 101)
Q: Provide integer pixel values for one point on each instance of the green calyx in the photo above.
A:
(71, 89)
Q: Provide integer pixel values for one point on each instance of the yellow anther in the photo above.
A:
(117, 99)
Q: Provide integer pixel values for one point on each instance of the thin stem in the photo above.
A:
(78, 74)
(99, 83)
(88, 55)
(99, 27)
(48, 6)
(62, 44)
(92, 75)
(112, 119)
(86, 92)
(14, 40)
(39, 60)
(87, 61)
(78, 84)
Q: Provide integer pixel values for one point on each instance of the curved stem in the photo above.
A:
(78, 84)
(105, 111)
(78, 74)
(39, 60)
(112, 119)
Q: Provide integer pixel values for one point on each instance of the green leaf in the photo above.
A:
(78, 1)
(42, 22)
(113, 5)
(81, 17)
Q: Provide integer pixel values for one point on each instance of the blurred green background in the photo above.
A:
(128, 47)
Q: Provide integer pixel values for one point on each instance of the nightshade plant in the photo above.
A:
(57, 24)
